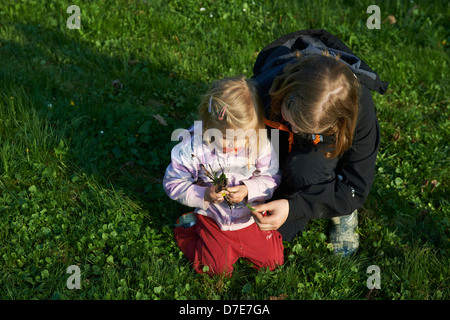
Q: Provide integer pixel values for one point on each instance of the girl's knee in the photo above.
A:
(213, 264)
(273, 263)
(217, 267)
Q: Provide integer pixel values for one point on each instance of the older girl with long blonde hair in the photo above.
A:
(317, 93)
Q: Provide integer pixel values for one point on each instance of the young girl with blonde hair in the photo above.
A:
(234, 143)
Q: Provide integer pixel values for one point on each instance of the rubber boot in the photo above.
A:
(187, 220)
(343, 235)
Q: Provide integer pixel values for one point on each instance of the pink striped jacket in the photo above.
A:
(186, 182)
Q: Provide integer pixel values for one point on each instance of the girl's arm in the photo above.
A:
(181, 175)
(266, 177)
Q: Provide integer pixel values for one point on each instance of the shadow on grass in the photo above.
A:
(116, 112)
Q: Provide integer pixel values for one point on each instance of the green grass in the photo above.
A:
(82, 159)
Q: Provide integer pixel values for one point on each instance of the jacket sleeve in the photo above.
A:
(181, 175)
(354, 175)
(266, 177)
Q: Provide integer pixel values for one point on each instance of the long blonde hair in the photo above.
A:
(234, 103)
(322, 95)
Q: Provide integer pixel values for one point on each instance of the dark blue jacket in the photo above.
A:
(315, 186)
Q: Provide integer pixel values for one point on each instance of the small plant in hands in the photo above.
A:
(249, 205)
(220, 182)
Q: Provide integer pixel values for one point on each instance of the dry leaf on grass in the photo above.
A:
(434, 183)
(160, 119)
(392, 19)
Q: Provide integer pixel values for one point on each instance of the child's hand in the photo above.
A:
(212, 196)
(237, 193)
(271, 215)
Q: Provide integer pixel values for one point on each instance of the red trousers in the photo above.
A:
(205, 244)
